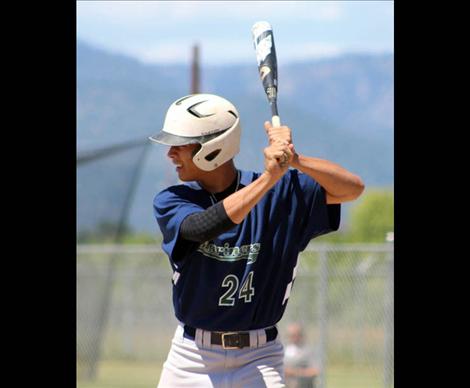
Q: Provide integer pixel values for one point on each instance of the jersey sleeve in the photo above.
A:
(171, 206)
(316, 216)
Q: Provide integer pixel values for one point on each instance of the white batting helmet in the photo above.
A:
(206, 119)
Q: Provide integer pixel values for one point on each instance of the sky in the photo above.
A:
(164, 31)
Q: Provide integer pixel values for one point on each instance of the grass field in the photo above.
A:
(127, 374)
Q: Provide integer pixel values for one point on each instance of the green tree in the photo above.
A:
(372, 217)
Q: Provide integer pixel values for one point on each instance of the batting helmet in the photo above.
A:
(205, 119)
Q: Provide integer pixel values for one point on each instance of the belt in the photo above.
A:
(231, 339)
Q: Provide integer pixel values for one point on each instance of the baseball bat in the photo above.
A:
(263, 41)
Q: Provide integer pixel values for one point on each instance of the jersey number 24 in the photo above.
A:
(246, 290)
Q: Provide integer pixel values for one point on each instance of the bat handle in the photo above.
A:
(276, 121)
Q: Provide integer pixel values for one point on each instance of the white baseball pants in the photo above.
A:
(197, 364)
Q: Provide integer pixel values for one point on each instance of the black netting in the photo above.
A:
(106, 180)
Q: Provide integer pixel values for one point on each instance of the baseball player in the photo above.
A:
(233, 238)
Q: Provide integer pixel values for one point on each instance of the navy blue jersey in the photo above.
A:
(242, 279)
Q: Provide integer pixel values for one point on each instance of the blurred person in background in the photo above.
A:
(299, 359)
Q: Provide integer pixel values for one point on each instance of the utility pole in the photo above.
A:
(195, 70)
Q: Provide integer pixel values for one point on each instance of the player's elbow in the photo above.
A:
(358, 187)
(355, 189)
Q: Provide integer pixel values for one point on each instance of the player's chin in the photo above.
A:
(184, 176)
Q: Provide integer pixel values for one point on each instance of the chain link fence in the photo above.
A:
(343, 296)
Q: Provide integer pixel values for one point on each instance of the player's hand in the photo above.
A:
(282, 133)
(277, 157)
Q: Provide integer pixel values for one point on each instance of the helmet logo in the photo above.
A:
(196, 113)
(182, 99)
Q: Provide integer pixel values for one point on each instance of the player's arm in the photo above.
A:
(240, 203)
(206, 225)
(221, 217)
(340, 184)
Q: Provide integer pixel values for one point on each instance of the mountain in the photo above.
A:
(340, 109)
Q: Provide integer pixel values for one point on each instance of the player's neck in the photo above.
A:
(219, 179)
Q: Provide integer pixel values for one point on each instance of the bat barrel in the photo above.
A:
(258, 28)
(263, 41)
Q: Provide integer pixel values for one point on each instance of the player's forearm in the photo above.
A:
(240, 203)
(336, 180)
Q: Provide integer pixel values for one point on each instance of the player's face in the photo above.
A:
(295, 335)
(182, 158)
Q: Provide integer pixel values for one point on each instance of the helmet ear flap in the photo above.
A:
(212, 155)
(219, 150)
(209, 157)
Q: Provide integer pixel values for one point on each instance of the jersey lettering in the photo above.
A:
(247, 252)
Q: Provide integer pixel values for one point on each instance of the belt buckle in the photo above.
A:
(227, 346)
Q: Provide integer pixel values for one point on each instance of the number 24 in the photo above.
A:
(246, 291)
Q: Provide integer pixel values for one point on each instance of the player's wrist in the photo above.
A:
(295, 162)
(269, 178)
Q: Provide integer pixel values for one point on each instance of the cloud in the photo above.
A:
(138, 12)
(163, 53)
(179, 51)
(163, 31)
(311, 50)
(119, 11)
(274, 10)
